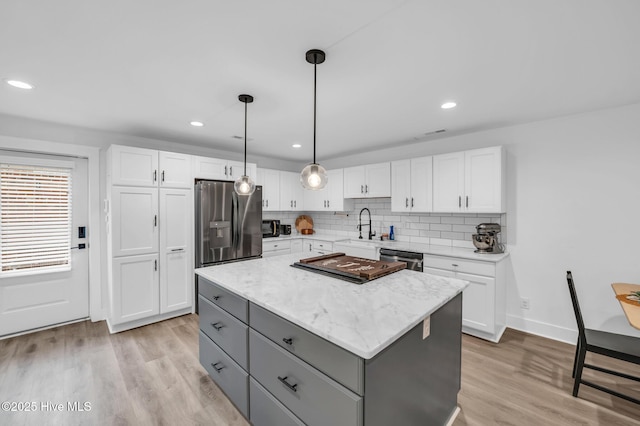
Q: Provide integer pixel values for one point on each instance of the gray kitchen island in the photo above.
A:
(292, 347)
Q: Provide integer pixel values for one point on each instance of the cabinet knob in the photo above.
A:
(216, 297)
(217, 326)
(288, 340)
(455, 265)
(218, 366)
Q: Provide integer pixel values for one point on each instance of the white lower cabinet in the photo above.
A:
(275, 247)
(484, 301)
(134, 288)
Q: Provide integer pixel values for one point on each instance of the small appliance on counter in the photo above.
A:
(270, 228)
(285, 229)
(487, 239)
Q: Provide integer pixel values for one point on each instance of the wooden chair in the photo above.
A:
(617, 346)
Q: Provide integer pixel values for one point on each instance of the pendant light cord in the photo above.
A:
(315, 65)
(245, 139)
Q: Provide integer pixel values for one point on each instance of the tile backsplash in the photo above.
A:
(449, 229)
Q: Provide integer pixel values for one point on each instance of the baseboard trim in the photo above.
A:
(543, 329)
(117, 328)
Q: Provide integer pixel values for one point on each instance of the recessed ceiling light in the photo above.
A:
(296, 145)
(448, 105)
(197, 123)
(19, 84)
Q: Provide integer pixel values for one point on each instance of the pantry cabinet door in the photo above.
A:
(176, 286)
(135, 293)
(134, 221)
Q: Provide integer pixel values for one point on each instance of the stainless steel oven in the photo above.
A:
(412, 259)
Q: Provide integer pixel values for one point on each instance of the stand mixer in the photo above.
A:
(486, 240)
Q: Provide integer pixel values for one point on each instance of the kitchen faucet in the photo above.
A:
(371, 234)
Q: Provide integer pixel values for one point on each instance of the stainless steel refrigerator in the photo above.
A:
(228, 226)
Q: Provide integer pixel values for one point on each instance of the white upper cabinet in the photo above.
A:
(130, 166)
(331, 197)
(270, 182)
(175, 170)
(411, 185)
(220, 169)
(291, 192)
(372, 180)
(470, 181)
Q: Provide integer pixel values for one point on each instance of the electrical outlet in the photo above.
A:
(524, 303)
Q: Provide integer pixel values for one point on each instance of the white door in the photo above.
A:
(44, 276)
(176, 211)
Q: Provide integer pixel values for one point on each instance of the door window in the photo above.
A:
(35, 219)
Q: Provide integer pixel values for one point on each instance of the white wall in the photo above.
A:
(573, 198)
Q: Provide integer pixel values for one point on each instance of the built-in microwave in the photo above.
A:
(270, 228)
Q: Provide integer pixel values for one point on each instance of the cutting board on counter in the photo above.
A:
(350, 268)
(304, 222)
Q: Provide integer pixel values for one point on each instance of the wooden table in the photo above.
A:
(631, 311)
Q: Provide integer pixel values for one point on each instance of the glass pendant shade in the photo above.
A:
(244, 185)
(314, 177)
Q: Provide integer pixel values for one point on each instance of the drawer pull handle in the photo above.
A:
(288, 341)
(455, 265)
(217, 326)
(216, 297)
(287, 384)
(218, 369)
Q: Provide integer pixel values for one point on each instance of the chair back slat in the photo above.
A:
(576, 308)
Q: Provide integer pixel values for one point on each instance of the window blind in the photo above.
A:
(35, 218)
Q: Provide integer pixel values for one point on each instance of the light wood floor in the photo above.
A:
(151, 375)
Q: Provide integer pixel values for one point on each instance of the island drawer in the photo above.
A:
(228, 375)
(266, 410)
(225, 330)
(455, 264)
(276, 245)
(230, 302)
(312, 396)
(332, 360)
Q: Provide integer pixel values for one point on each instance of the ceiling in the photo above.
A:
(149, 67)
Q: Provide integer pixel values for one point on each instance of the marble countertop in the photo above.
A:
(433, 249)
(363, 319)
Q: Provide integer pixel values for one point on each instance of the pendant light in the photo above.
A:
(244, 185)
(314, 176)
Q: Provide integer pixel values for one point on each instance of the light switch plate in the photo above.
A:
(426, 327)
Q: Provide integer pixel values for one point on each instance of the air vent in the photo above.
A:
(435, 131)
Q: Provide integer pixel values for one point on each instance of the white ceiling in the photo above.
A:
(149, 67)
